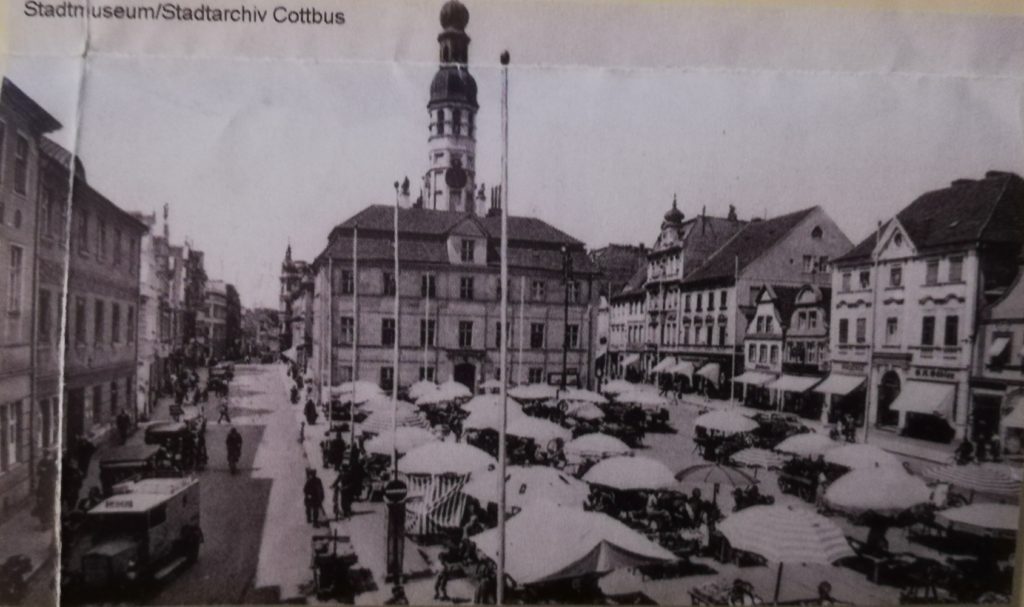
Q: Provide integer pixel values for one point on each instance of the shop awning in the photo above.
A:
(664, 365)
(839, 384)
(754, 378)
(711, 372)
(630, 359)
(794, 383)
(925, 397)
(1015, 419)
(683, 368)
(998, 346)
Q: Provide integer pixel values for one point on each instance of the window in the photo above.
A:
(21, 165)
(816, 233)
(896, 276)
(469, 118)
(344, 284)
(721, 335)
(83, 232)
(686, 304)
(456, 122)
(389, 283)
(341, 373)
(711, 301)
(722, 299)
(865, 279)
(928, 331)
(427, 373)
(760, 324)
(3, 139)
(574, 291)
(537, 290)
(823, 263)
(440, 122)
(537, 335)
(892, 327)
(775, 354)
(699, 304)
(708, 333)
(130, 332)
(801, 320)
(45, 322)
(808, 264)
(10, 434)
(862, 330)
(846, 281)
(387, 378)
(812, 319)
(97, 403)
(115, 323)
(768, 322)
(428, 286)
(387, 331)
(80, 320)
(117, 247)
(17, 218)
(952, 331)
(762, 353)
(466, 287)
(956, 269)
(101, 240)
(14, 283)
(465, 334)
(931, 275)
(98, 325)
(844, 330)
(467, 250)
(497, 333)
(535, 375)
(346, 330)
(427, 332)
(572, 336)
(752, 352)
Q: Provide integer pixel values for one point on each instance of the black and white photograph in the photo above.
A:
(430, 302)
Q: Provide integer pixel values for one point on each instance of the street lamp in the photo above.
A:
(567, 279)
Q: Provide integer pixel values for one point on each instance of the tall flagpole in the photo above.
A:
(500, 581)
(426, 327)
(522, 327)
(355, 336)
(735, 340)
(330, 337)
(394, 375)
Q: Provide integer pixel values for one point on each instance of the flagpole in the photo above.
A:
(875, 280)
(735, 341)
(330, 337)
(355, 336)
(426, 326)
(522, 327)
(394, 375)
(500, 581)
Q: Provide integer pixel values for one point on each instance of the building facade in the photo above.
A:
(22, 125)
(213, 319)
(908, 299)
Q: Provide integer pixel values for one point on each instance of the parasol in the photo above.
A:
(421, 389)
(580, 395)
(808, 444)
(985, 520)
(541, 431)
(597, 444)
(976, 478)
(525, 484)
(406, 439)
(631, 474)
(584, 410)
(883, 491)
(533, 392)
(726, 422)
(444, 458)
(860, 455)
(715, 474)
(758, 458)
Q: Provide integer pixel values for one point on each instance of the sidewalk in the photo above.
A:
(22, 533)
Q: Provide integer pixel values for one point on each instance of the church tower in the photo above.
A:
(450, 181)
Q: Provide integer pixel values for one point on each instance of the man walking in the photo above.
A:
(124, 424)
(225, 414)
(313, 492)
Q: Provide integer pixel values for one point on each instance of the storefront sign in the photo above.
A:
(934, 373)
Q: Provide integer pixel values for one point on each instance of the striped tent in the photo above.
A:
(985, 520)
(976, 478)
(758, 458)
(435, 503)
(380, 422)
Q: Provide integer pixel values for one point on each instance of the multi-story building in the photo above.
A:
(627, 326)
(295, 275)
(906, 303)
(22, 125)
(213, 319)
(617, 263)
(102, 303)
(997, 376)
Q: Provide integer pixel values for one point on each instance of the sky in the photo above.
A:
(262, 136)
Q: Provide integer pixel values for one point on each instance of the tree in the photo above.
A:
(233, 322)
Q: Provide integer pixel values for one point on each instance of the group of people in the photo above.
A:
(345, 489)
(988, 449)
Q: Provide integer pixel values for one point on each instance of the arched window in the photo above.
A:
(440, 122)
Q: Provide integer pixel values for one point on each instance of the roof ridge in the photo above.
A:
(992, 211)
(752, 225)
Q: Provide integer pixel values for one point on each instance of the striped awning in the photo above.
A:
(786, 534)
(794, 383)
(754, 378)
(839, 384)
(977, 478)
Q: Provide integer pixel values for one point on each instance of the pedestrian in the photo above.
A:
(124, 424)
(397, 596)
(225, 414)
(825, 594)
(233, 442)
(487, 586)
(85, 450)
(352, 486)
(313, 493)
(310, 412)
(819, 491)
(338, 493)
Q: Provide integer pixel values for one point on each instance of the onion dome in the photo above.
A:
(674, 215)
(454, 15)
(453, 84)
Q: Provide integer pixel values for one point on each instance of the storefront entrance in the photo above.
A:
(465, 374)
(888, 389)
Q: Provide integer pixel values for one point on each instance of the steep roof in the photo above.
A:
(968, 211)
(437, 223)
(635, 286)
(749, 244)
(56, 152)
(705, 236)
(618, 263)
(14, 97)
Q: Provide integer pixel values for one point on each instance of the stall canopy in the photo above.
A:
(839, 384)
(630, 360)
(683, 368)
(664, 365)
(754, 378)
(925, 397)
(710, 372)
(794, 383)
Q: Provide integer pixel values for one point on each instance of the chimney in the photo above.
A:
(495, 210)
(732, 213)
(404, 199)
(167, 227)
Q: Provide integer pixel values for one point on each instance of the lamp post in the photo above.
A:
(567, 279)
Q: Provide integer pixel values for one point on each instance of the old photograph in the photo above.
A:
(550, 302)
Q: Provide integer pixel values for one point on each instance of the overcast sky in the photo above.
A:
(613, 110)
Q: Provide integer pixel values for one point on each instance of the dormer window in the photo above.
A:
(898, 239)
(816, 233)
(467, 249)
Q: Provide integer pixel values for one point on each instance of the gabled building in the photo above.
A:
(907, 304)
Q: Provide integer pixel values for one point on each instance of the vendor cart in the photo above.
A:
(333, 556)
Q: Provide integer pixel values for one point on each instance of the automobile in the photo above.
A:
(132, 463)
(143, 533)
(775, 427)
(166, 434)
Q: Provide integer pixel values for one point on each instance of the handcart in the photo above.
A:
(333, 556)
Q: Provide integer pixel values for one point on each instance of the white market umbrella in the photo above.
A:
(726, 422)
(976, 478)
(490, 419)
(597, 445)
(883, 491)
(454, 389)
(580, 395)
(858, 456)
(491, 384)
(533, 392)
(526, 484)
(539, 430)
(407, 439)
(444, 458)
(618, 386)
(752, 457)
(585, 411)
(807, 444)
(785, 534)
(546, 542)
(384, 405)
(985, 520)
(643, 398)
(482, 403)
(421, 389)
(358, 386)
(631, 474)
